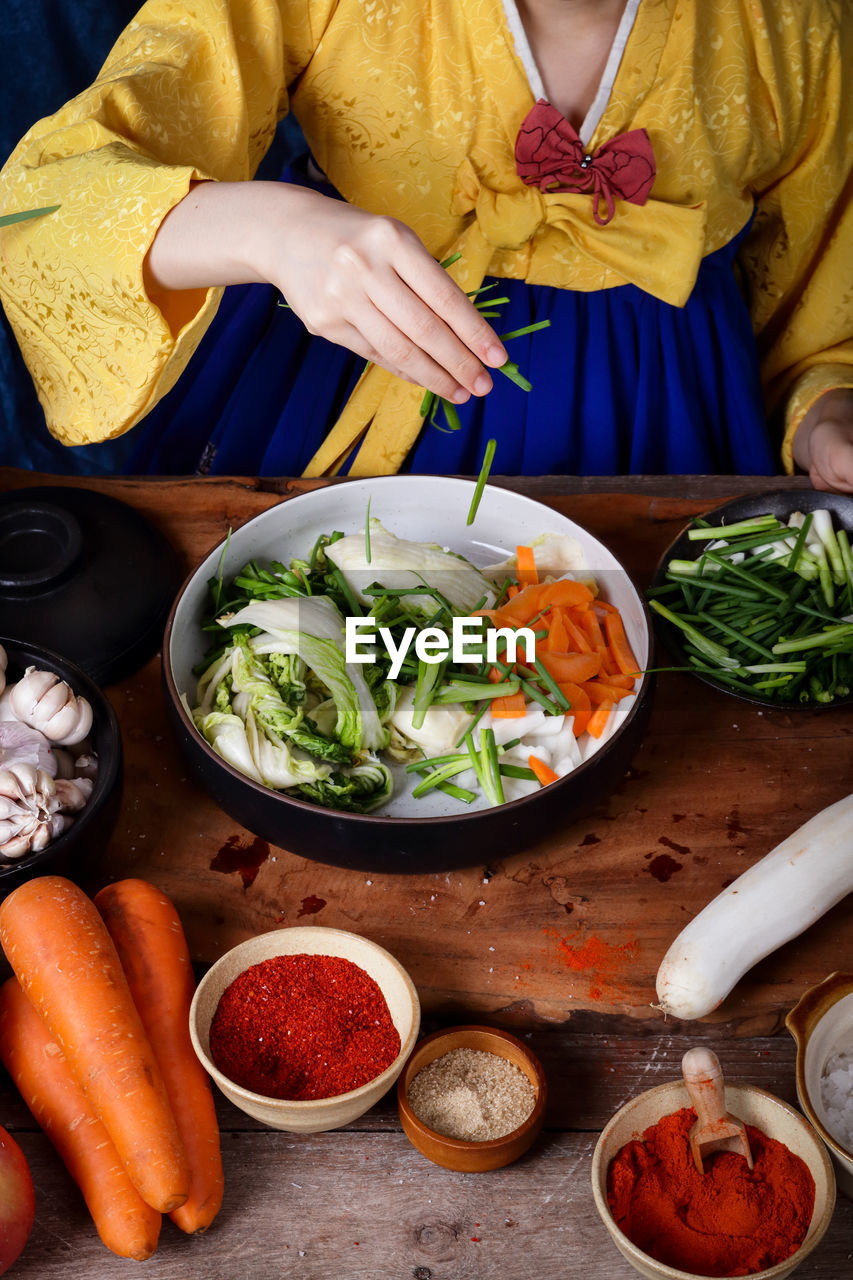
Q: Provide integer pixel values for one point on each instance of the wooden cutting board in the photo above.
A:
(579, 921)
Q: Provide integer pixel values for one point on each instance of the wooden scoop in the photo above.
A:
(715, 1129)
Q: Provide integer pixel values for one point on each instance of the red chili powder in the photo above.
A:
(303, 1026)
(603, 962)
(729, 1221)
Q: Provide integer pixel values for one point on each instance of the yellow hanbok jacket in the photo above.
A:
(411, 108)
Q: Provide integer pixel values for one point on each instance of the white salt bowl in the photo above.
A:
(822, 1025)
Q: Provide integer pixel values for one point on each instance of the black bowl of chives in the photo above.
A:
(760, 608)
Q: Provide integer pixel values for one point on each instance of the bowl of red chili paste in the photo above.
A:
(673, 1223)
(305, 1028)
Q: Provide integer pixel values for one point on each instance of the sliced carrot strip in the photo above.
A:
(581, 707)
(558, 636)
(532, 600)
(525, 563)
(543, 771)
(609, 666)
(510, 707)
(524, 604)
(599, 718)
(567, 592)
(622, 681)
(619, 645)
(575, 667)
(578, 639)
(604, 691)
(592, 627)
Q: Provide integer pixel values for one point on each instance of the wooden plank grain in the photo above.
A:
(369, 1207)
(360, 1202)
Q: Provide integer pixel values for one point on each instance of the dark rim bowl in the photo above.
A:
(93, 825)
(375, 842)
(781, 503)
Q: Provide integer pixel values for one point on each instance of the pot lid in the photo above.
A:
(85, 575)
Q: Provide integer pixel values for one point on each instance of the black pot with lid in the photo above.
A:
(86, 575)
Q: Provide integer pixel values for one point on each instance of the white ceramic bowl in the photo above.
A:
(314, 1115)
(822, 1025)
(755, 1107)
(435, 832)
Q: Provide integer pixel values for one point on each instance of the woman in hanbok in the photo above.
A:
(666, 182)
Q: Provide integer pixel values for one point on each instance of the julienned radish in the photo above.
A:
(774, 901)
(67, 964)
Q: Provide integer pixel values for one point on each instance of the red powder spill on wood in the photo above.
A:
(310, 906)
(602, 961)
(245, 859)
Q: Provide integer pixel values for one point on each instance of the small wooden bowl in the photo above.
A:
(455, 1153)
(822, 1024)
(753, 1106)
(314, 1115)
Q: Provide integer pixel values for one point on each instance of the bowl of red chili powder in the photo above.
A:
(673, 1223)
(305, 1028)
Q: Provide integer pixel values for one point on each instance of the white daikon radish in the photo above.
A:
(774, 901)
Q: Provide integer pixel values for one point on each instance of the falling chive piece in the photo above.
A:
(488, 458)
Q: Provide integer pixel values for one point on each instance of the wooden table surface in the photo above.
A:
(560, 944)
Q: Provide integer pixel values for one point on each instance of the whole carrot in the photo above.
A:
(67, 965)
(148, 935)
(125, 1223)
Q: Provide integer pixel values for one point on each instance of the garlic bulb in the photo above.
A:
(64, 761)
(73, 793)
(30, 810)
(48, 768)
(86, 766)
(46, 703)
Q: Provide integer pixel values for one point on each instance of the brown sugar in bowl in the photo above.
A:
(456, 1153)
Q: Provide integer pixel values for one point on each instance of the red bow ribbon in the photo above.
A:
(550, 155)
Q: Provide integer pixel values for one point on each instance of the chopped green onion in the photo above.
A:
(828, 637)
(716, 653)
(458, 793)
(517, 771)
(438, 776)
(8, 218)
(488, 457)
(468, 691)
(551, 684)
(472, 726)
(756, 525)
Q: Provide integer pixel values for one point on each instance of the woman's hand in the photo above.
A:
(823, 444)
(358, 279)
